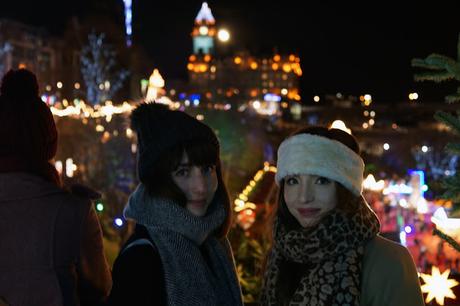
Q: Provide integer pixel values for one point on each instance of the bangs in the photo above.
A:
(199, 153)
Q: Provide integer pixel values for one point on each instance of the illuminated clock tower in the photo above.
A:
(204, 31)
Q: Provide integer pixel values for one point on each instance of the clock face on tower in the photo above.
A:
(203, 30)
(203, 45)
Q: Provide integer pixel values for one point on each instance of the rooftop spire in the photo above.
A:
(205, 15)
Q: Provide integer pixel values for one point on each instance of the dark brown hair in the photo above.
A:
(200, 152)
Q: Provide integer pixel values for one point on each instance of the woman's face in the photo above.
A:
(309, 197)
(197, 183)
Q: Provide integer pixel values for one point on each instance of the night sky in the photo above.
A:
(343, 48)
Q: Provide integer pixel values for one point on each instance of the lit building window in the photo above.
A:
(287, 68)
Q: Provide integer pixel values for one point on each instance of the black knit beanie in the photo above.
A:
(27, 130)
(27, 122)
(158, 129)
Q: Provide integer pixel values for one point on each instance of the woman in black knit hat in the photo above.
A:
(179, 253)
(51, 249)
(326, 248)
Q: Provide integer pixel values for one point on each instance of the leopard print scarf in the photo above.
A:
(331, 252)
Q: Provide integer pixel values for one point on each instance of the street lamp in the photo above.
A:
(223, 35)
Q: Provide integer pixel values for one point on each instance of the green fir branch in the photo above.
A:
(448, 119)
(447, 238)
(442, 61)
(439, 68)
(452, 186)
(436, 77)
(453, 98)
(421, 63)
(453, 148)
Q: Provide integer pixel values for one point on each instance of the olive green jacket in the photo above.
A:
(389, 275)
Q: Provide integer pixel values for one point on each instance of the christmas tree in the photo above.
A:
(440, 68)
(98, 68)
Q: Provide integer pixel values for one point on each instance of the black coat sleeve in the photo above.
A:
(138, 278)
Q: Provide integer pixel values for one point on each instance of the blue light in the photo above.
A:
(128, 20)
(196, 102)
(118, 222)
(421, 175)
(402, 238)
(408, 229)
(272, 97)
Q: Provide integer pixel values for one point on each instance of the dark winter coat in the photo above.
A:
(138, 277)
(50, 245)
(181, 262)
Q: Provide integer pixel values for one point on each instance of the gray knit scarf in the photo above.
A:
(190, 279)
(332, 252)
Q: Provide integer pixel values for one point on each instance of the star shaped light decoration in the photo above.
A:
(438, 286)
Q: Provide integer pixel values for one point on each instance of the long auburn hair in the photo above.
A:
(291, 273)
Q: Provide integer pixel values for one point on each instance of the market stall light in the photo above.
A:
(450, 226)
(371, 184)
(70, 167)
(438, 286)
(398, 189)
(339, 124)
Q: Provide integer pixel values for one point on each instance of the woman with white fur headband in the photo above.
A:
(326, 245)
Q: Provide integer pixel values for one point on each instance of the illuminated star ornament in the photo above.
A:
(438, 286)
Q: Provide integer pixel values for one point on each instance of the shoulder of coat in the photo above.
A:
(383, 250)
(83, 191)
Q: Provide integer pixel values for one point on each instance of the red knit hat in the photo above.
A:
(27, 130)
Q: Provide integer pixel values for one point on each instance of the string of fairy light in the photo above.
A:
(243, 207)
(79, 110)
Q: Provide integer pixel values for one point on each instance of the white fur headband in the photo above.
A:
(317, 155)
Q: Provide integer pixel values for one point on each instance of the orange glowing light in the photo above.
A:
(287, 68)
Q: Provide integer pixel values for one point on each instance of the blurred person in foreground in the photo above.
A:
(51, 250)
